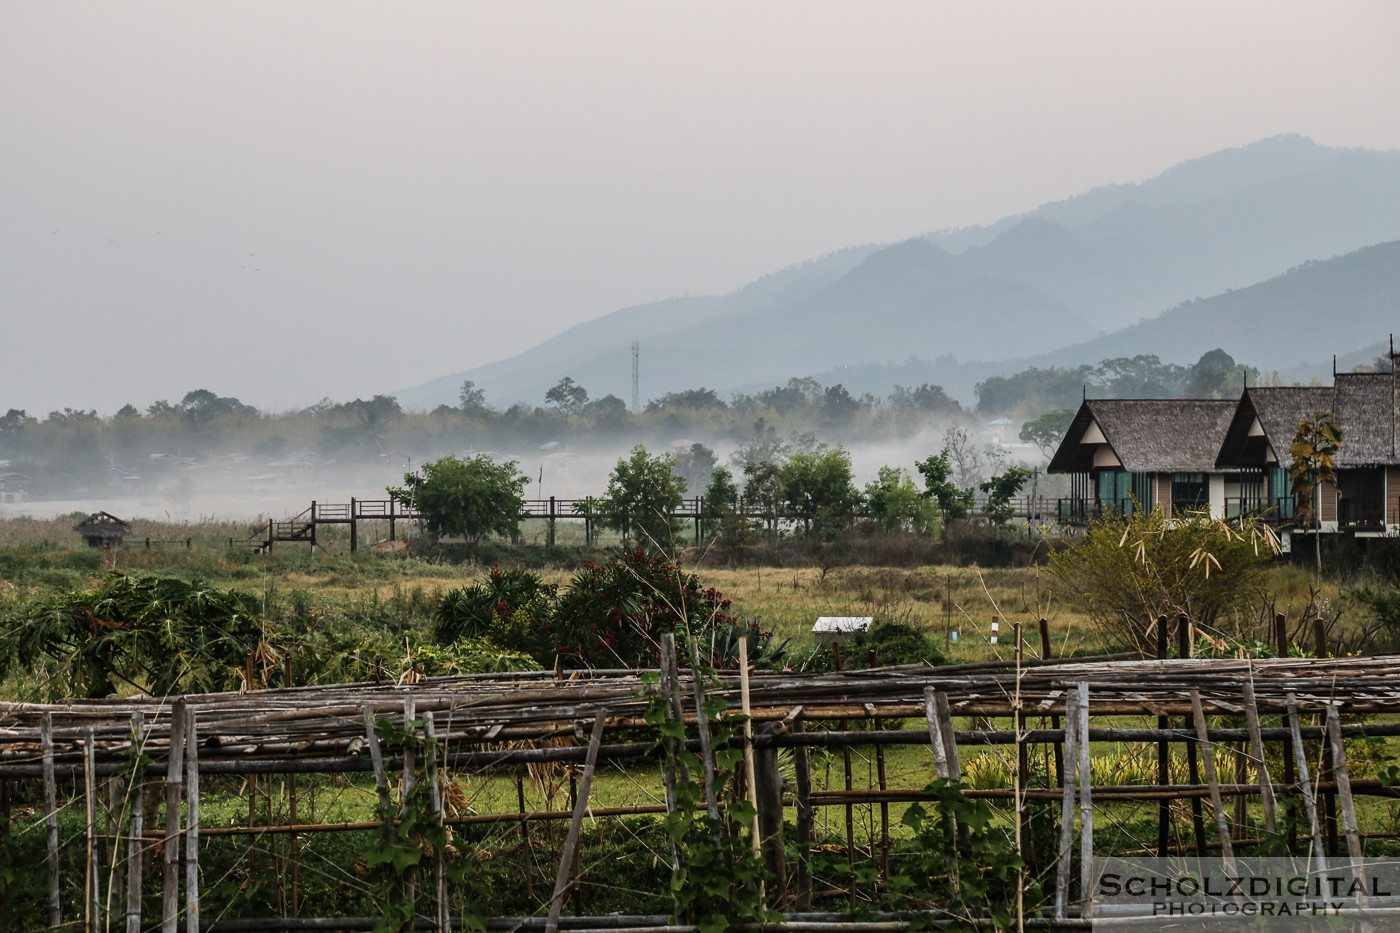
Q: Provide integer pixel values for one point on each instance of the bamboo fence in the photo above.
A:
(489, 721)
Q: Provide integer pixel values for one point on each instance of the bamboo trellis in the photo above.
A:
(327, 730)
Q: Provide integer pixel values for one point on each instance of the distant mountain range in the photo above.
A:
(1071, 282)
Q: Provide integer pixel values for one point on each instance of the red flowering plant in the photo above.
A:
(512, 608)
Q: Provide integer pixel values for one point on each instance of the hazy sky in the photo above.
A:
(288, 200)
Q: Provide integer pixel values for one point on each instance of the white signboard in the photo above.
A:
(840, 628)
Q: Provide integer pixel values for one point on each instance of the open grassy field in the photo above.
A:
(623, 861)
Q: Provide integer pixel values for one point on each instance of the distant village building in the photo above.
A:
(102, 529)
(1231, 458)
(12, 487)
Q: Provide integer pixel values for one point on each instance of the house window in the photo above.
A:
(1280, 493)
(1362, 498)
(1123, 491)
(1189, 492)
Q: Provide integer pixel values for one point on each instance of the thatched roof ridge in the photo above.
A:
(1363, 404)
(1364, 408)
(1278, 410)
(1150, 435)
(102, 525)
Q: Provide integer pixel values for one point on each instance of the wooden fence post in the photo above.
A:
(174, 786)
(136, 826)
(1086, 808)
(1301, 762)
(192, 820)
(566, 860)
(1281, 636)
(1222, 825)
(444, 922)
(51, 818)
(1256, 751)
(92, 886)
(1198, 823)
(1067, 786)
(1339, 762)
(804, 823)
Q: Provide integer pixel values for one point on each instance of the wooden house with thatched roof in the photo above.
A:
(102, 529)
(1232, 457)
(1366, 408)
(1127, 454)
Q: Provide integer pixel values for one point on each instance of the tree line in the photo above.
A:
(807, 492)
(148, 449)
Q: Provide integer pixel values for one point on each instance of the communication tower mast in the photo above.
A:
(636, 377)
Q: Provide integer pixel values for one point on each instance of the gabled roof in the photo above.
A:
(1363, 405)
(102, 525)
(1364, 409)
(1278, 409)
(1147, 435)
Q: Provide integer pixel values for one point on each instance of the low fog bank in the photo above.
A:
(251, 492)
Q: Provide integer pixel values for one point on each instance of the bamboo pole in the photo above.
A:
(351, 763)
(525, 838)
(1086, 809)
(1227, 850)
(192, 912)
(668, 645)
(174, 785)
(51, 819)
(957, 829)
(1329, 799)
(294, 846)
(1261, 765)
(846, 776)
(950, 745)
(111, 844)
(1309, 803)
(669, 675)
(804, 823)
(1198, 824)
(1067, 789)
(136, 828)
(702, 722)
(1281, 636)
(1343, 779)
(950, 740)
(884, 808)
(381, 776)
(1018, 784)
(1164, 807)
(561, 878)
(750, 777)
(444, 923)
(1054, 720)
(410, 772)
(92, 887)
(935, 733)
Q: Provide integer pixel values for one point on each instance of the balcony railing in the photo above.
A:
(1361, 513)
(1180, 506)
(1082, 511)
(1271, 510)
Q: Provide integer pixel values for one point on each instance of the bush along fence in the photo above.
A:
(144, 814)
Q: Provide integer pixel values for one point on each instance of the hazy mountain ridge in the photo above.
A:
(1321, 307)
(1039, 286)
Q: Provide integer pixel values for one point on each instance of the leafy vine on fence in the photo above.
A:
(401, 861)
(715, 881)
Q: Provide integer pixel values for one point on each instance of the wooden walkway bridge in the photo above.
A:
(301, 528)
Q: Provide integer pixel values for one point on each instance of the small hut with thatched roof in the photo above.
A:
(102, 529)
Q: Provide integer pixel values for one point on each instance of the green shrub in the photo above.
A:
(1130, 570)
